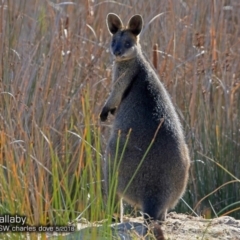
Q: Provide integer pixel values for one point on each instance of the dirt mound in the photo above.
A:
(176, 227)
(180, 226)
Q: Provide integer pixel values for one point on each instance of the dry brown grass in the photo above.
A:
(55, 70)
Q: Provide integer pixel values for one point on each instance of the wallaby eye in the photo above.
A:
(127, 44)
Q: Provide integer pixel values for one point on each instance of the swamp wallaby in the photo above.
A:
(146, 135)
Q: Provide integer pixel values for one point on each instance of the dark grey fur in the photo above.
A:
(141, 103)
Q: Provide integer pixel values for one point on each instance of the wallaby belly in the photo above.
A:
(152, 160)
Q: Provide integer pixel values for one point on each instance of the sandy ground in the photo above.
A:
(176, 227)
(180, 226)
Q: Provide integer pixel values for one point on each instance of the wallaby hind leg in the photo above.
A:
(153, 210)
(162, 216)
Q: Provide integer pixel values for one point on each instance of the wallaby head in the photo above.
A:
(124, 39)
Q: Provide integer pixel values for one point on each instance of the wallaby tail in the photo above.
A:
(157, 231)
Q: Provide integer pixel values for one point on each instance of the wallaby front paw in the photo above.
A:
(104, 115)
(113, 110)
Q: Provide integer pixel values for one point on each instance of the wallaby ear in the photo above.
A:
(114, 23)
(135, 24)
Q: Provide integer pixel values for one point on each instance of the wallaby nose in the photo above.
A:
(117, 52)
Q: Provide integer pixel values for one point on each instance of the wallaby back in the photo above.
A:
(145, 118)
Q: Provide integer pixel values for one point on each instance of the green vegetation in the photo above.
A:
(55, 74)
